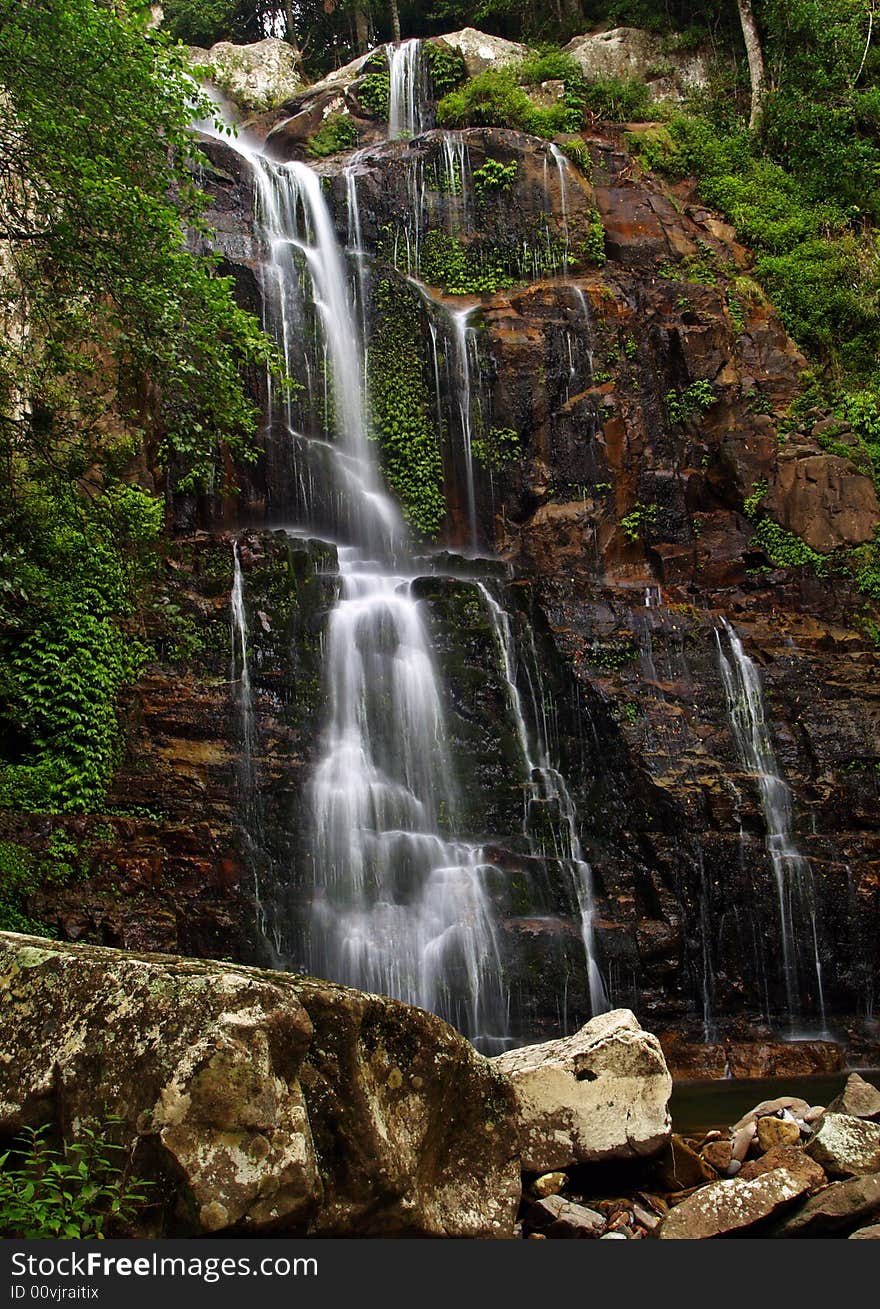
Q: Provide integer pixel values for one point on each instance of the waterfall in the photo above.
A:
(463, 363)
(397, 902)
(546, 783)
(792, 873)
(407, 114)
(561, 163)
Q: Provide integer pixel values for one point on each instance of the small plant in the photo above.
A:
(753, 502)
(446, 67)
(577, 152)
(593, 246)
(374, 95)
(638, 520)
(336, 133)
(494, 177)
(694, 399)
(499, 446)
(83, 1189)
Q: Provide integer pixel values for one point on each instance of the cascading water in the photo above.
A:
(407, 112)
(463, 362)
(398, 902)
(545, 783)
(792, 873)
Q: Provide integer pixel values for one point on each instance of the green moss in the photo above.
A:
(787, 550)
(336, 133)
(401, 409)
(577, 151)
(462, 270)
(23, 874)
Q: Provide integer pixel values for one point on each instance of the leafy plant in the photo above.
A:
(446, 67)
(84, 1188)
(638, 520)
(694, 399)
(494, 177)
(336, 133)
(374, 93)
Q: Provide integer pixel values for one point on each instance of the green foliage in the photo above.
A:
(577, 151)
(65, 648)
(499, 446)
(374, 93)
(619, 100)
(752, 504)
(202, 22)
(496, 97)
(494, 178)
(637, 522)
(446, 68)
(336, 133)
(787, 550)
(401, 410)
(23, 874)
(694, 399)
(82, 1189)
(592, 249)
(460, 269)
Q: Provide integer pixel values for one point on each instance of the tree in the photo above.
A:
(755, 56)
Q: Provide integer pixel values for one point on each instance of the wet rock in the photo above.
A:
(733, 1207)
(839, 1208)
(785, 1058)
(555, 1216)
(845, 1146)
(600, 1094)
(773, 1131)
(824, 499)
(257, 77)
(790, 1157)
(867, 1233)
(858, 1098)
(262, 1101)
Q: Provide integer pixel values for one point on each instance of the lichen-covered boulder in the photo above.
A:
(256, 77)
(631, 52)
(600, 1094)
(260, 1100)
(845, 1146)
(733, 1207)
(481, 51)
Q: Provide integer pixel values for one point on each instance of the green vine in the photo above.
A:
(401, 410)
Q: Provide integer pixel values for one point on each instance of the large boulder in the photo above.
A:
(733, 1207)
(858, 1098)
(600, 1094)
(837, 1209)
(845, 1146)
(481, 51)
(631, 52)
(256, 77)
(260, 1100)
(823, 498)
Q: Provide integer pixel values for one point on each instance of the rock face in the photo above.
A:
(732, 1207)
(845, 1146)
(481, 51)
(256, 77)
(631, 52)
(261, 1101)
(600, 1094)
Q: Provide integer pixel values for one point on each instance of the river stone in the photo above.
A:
(732, 1206)
(793, 1103)
(549, 1184)
(791, 1157)
(845, 1146)
(600, 1094)
(858, 1098)
(481, 51)
(679, 1167)
(840, 1207)
(867, 1233)
(777, 1131)
(556, 1216)
(718, 1155)
(256, 77)
(260, 1100)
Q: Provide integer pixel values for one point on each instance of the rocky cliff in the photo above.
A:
(637, 471)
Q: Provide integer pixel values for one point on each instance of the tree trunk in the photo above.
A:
(362, 30)
(395, 22)
(757, 76)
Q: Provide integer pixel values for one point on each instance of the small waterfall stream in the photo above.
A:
(792, 873)
(545, 783)
(407, 114)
